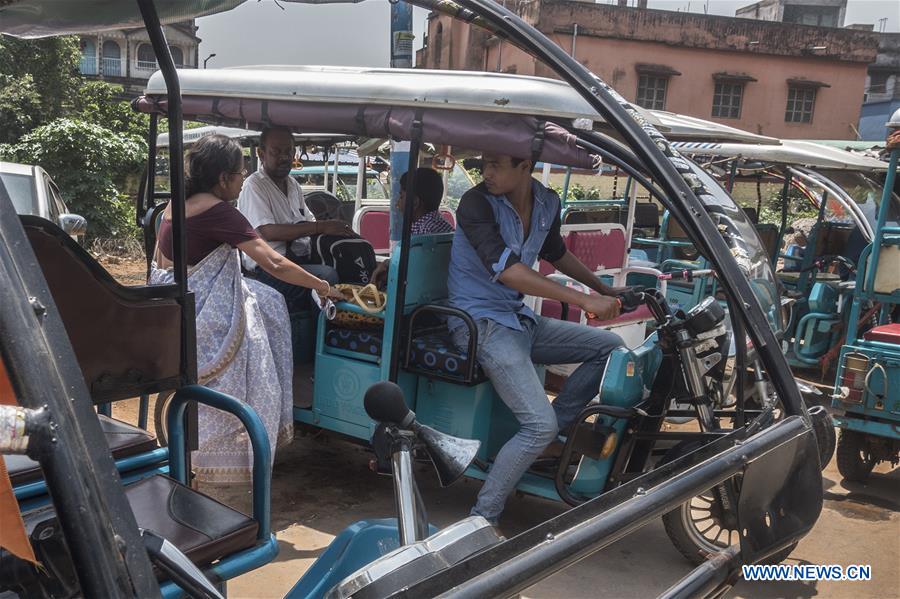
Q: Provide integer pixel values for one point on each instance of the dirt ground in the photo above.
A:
(321, 485)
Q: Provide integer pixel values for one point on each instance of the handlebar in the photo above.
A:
(686, 275)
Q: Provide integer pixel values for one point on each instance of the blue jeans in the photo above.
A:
(298, 299)
(507, 355)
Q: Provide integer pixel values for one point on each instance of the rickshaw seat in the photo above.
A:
(432, 353)
(127, 339)
(201, 527)
(373, 223)
(832, 238)
(124, 440)
(886, 333)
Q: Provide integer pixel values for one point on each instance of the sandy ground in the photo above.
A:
(321, 485)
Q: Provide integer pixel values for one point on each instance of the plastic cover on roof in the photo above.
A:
(42, 18)
(512, 134)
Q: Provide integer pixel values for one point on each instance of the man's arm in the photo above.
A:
(573, 267)
(529, 282)
(476, 219)
(275, 232)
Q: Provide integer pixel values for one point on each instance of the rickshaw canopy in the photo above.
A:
(788, 152)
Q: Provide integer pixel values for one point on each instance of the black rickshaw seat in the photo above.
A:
(124, 441)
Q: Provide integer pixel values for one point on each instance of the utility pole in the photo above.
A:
(401, 58)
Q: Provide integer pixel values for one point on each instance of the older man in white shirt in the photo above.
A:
(273, 203)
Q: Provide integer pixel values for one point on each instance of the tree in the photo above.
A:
(98, 102)
(20, 106)
(93, 167)
(52, 64)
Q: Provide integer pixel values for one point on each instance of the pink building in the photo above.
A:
(784, 80)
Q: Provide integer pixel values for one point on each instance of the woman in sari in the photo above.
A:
(243, 331)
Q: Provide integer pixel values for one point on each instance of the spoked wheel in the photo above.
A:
(160, 415)
(704, 526)
(855, 458)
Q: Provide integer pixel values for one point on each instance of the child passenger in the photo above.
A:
(427, 217)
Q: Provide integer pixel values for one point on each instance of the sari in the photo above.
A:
(243, 350)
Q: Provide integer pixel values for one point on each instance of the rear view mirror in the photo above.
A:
(73, 224)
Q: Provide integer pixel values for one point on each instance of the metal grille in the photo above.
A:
(727, 99)
(651, 92)
(800, 103)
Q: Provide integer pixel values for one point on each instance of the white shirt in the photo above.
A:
(263, 203)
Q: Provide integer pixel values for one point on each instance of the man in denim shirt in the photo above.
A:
(490, 273)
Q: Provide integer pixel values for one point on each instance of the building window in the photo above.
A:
(727, 99)
(651, 91)
(146, 59)
(177, 56)
(88, 65)
(878, 83)
(111, 63)
(800, 103)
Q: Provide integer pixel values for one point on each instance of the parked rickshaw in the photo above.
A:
(90, 542)
(867, 390)
(443, 384)
(844, 190)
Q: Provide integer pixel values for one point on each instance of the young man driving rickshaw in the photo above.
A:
(505, 224)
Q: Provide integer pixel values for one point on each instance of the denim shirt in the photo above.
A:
(488, 240)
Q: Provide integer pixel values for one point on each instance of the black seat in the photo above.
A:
(124, 440)
(432, 352)
(367, 342)
(201, 527)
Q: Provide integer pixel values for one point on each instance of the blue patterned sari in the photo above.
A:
(244, 350)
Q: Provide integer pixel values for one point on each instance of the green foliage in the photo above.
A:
(52, 64)
(93, 168)
(99, 102)
(20, 106)
(798, 207)
(79, 130)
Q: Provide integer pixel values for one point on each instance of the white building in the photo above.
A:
(126, 57)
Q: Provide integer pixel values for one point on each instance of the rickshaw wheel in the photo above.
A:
(855, 459)
(701, 526)
(160, 412)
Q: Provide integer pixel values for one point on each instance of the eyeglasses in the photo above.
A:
(242, 172)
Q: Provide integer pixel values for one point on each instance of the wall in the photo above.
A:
(873, 117)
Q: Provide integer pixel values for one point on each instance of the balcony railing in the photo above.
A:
(146, 65)
(88, 65)
(111, 67)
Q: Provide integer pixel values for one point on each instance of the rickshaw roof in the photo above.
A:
(42, 18)
(425, 88)
(455, 90)
(192, 135)
(788, 152)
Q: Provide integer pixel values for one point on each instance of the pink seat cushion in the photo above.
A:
(598, 250)
(886, 333)
(375, 227)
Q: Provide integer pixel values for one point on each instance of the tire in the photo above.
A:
(696, 527)
(160, 412)
(855, 460)
(826, 437)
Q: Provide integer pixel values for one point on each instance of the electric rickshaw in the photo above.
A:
(98, 538)
(843, 191)
(621, 435)
(866, 397)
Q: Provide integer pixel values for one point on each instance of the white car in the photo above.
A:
(32, 191)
